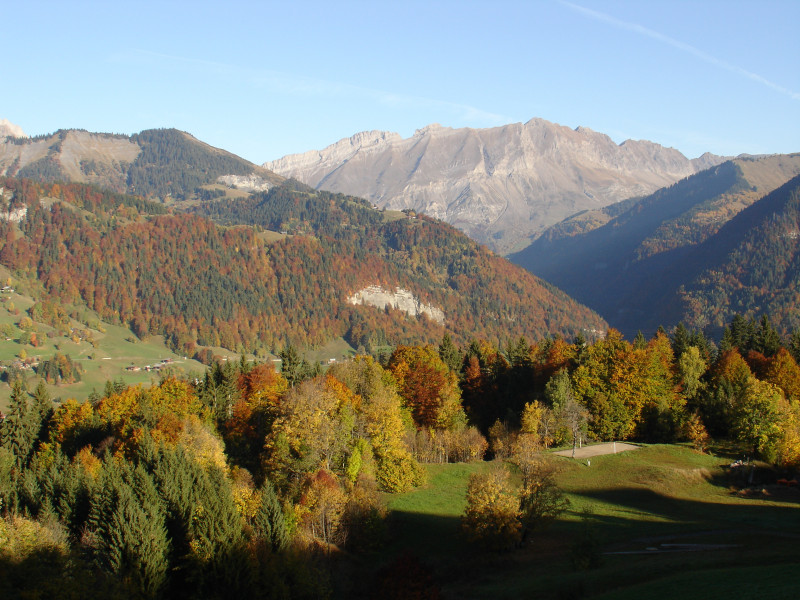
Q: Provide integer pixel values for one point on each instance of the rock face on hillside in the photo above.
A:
(502, 186)
(399, 299)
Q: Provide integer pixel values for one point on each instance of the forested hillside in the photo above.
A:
(627, 265)
(751, 266)
(202, 284)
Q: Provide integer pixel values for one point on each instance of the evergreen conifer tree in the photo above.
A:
(639, 342)
(270, 523)
(18, 433)
(127, 520)
(794, 345)
(742, 334)
(450, 354)
(766, 340)
(42, 408)
(681, 339)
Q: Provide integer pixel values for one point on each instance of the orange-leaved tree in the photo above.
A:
(428, 387)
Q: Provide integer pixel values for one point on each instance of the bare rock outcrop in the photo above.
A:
(399, 299)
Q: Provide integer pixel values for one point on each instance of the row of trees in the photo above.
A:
(669, 388)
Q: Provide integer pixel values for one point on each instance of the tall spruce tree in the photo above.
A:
(680, 339)
(127, 520)
(794, 345)
(19, 428)
(450, 354)
(42, 408)
(766, 340)
(742, 334)
(270, 524)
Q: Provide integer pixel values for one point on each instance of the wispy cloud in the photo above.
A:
(287, 83)
(660, 37)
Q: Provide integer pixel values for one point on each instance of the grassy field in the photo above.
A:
(115, 348)
(671, 522)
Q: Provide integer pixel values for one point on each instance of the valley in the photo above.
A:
(217, 379)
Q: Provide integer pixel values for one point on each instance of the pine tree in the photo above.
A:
(742, 334)
(794, 345)
(726, 343)
(766, 340)
(450, 354)
(219, 566)
(127, 520)
(270, 523)
(18, 433)
(681, 339)
(43, 408)
(518, 353)
(291, 364)
(639, 342)
(295, 368)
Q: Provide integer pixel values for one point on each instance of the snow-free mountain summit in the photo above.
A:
(502, 186)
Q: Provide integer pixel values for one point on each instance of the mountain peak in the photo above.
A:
(429, 129)
(503, 186)
(8, 129)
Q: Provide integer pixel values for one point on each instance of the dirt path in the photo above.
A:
(598, 450)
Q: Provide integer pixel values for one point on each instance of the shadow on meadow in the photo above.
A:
(711, 535)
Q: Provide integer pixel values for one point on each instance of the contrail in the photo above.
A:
(713, 60)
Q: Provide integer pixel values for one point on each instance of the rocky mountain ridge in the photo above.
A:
(502, 186)
(158, 163)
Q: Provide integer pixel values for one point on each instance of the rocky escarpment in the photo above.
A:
(398, 299)
(249, 183)
(502, 186)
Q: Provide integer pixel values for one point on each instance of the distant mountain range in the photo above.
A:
(502, 186)
(8, 129)
(721, 242)
(646, 260)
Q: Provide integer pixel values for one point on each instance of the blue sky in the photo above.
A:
(265, 79)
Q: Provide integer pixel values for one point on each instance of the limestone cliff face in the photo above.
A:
(398, 299)
(502, 186)
(249, 183)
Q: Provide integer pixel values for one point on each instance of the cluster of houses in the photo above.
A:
(22, 365)
(155, 367)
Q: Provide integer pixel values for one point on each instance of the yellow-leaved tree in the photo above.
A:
(492, 515)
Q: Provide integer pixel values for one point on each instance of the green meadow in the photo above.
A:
(671, 523)
(113, 350)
